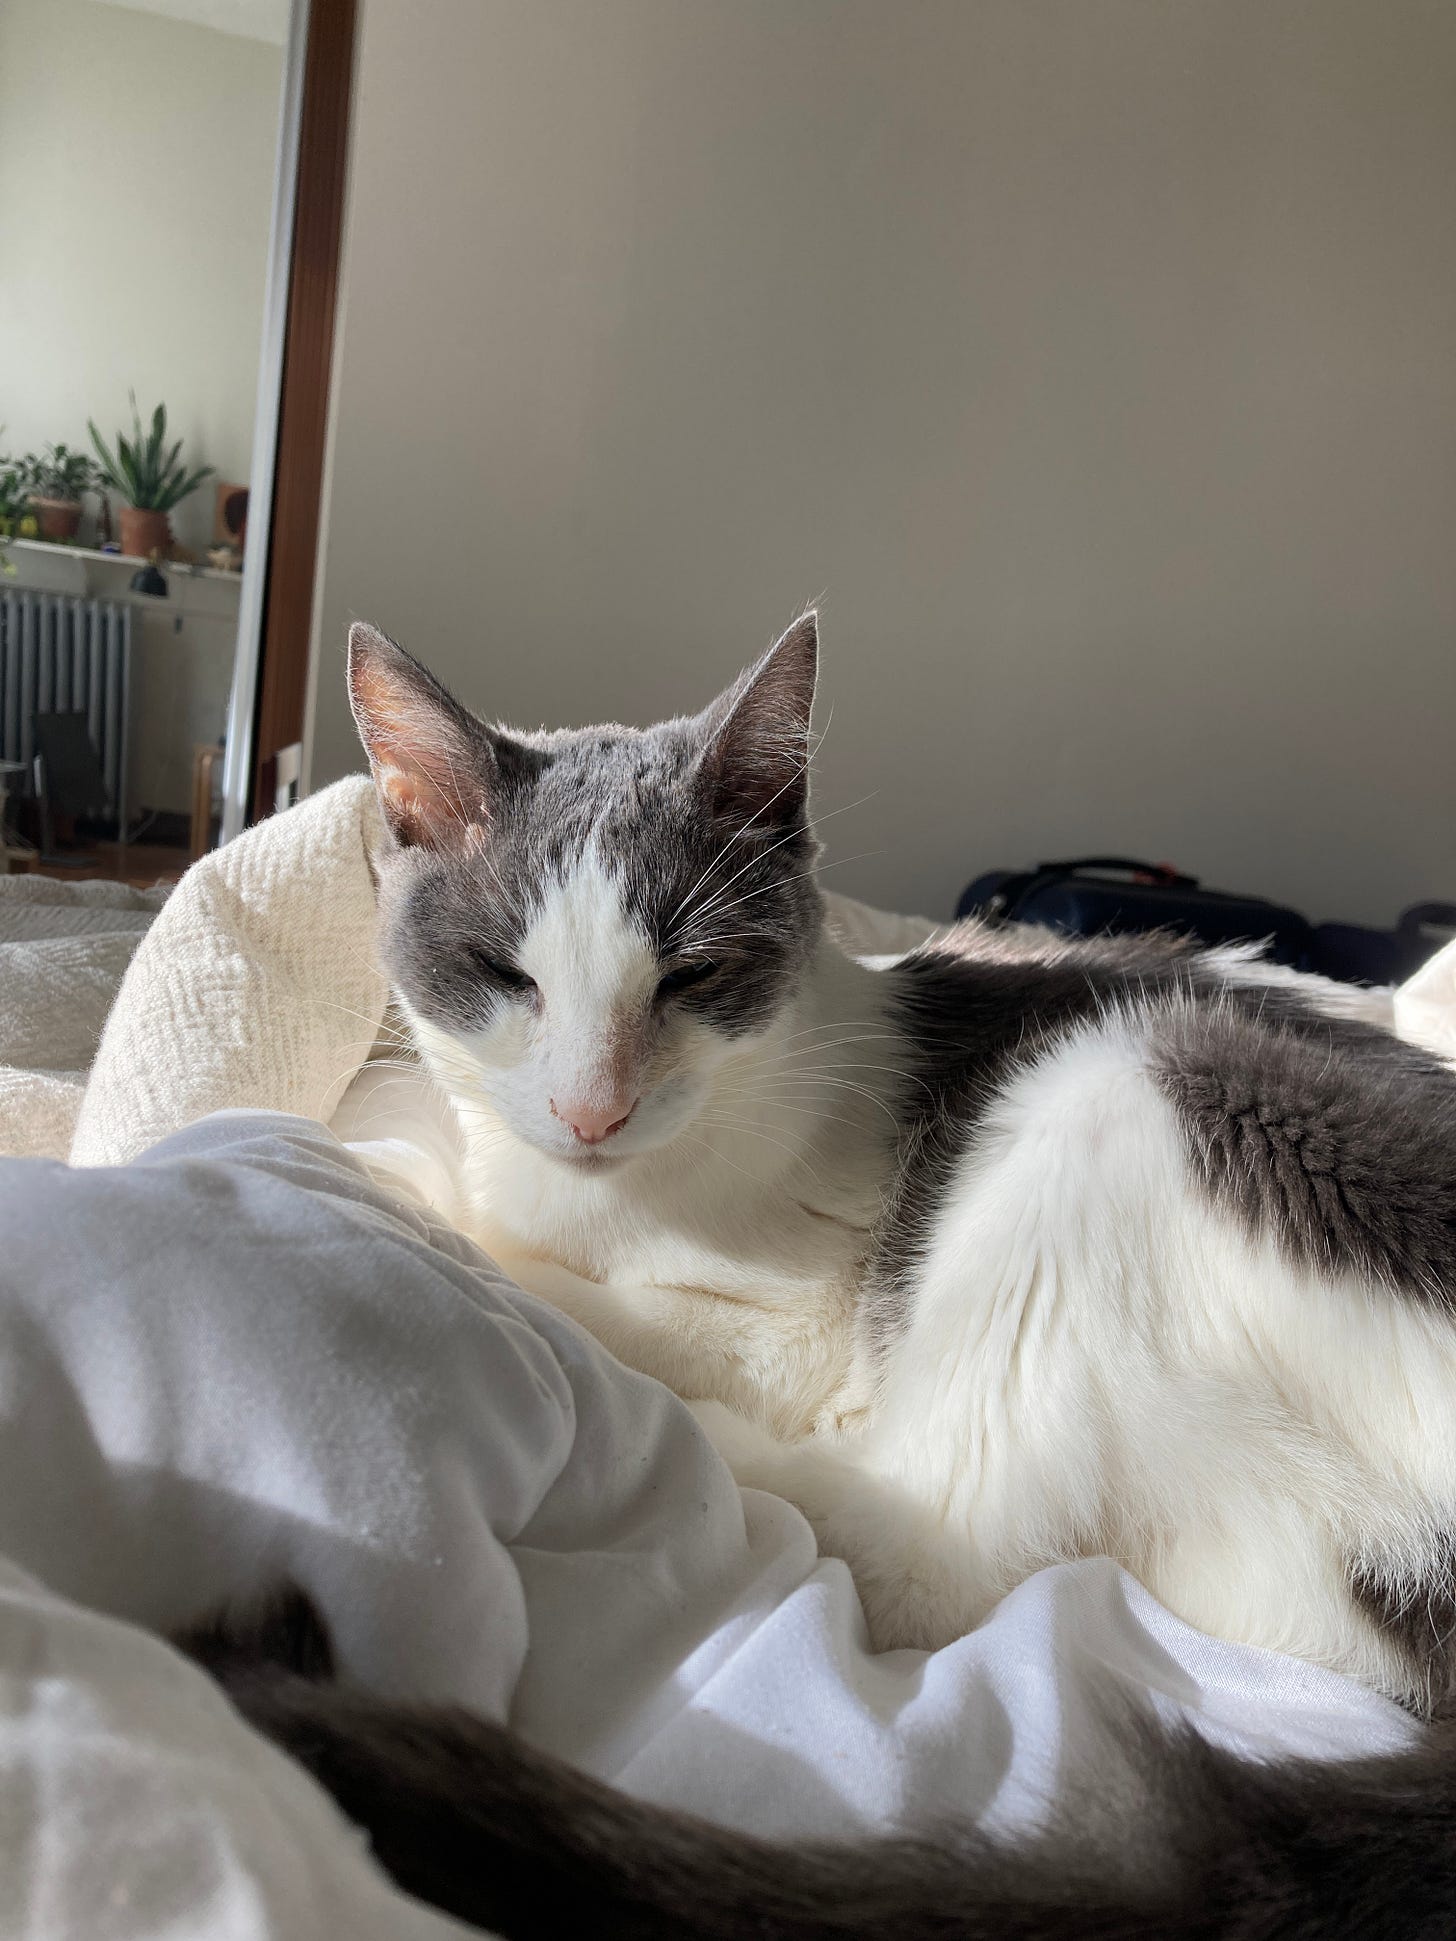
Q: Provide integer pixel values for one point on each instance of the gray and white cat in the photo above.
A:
(1015, 1251)
(1019, 1250)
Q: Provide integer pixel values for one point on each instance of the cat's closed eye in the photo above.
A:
(501, 973)
(684, 977)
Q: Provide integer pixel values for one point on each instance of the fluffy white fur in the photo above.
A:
(1094, 1361)
(1097, 1362)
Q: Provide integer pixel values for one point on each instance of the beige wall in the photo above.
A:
(1095, 359)
(136, 185)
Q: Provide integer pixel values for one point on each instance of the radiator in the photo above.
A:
(60, 655)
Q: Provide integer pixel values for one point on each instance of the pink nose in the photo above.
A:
(592, 1124)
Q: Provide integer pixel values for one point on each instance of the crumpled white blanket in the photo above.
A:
(239, 1358)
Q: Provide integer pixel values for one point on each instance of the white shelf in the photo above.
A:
(123, 559)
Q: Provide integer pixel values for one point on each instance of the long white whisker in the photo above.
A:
(809, 756)
(713, 903)
(817, 870)
(811, 1084)
(376, 1024)
(741, 830)
(830, 1044)
(721, 1157)
(735, 1125)
(368, 1065)
(833, 1024)
(865, 1065)
(786, 1105)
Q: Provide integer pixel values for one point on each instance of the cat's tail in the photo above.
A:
(465, 1816)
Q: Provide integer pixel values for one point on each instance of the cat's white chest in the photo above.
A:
(753, 1304)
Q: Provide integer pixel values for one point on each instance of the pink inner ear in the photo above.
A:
(429, 780)
(420, 808)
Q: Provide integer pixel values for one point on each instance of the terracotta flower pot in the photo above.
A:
(58, 518)
(144, 533)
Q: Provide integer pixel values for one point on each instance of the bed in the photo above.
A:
(236, 1350)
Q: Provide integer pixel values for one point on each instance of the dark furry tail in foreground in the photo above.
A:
(466, 1816)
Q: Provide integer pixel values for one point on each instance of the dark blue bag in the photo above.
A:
(1356, 955)
(1093, 894)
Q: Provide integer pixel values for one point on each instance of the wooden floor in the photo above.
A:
(139, 863)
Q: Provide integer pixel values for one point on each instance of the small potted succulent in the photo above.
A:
(149, 478)
(56, 481)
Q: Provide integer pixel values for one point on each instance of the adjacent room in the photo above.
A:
(138, 148)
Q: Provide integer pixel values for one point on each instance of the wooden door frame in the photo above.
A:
(270, 680)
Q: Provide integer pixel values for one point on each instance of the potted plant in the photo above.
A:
(14, 500)
(56, 482)
(14, 497)
(150, 479)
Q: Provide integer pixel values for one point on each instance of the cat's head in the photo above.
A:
(586, 924)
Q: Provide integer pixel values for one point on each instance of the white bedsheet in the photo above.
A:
(239, 1357)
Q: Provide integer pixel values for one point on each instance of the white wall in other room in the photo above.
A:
(137, 155)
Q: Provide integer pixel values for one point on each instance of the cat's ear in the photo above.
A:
(433, 763)
(756, 760)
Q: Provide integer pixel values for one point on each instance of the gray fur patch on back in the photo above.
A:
(978, 1004)
(1333, 1138)
(1416, 1611)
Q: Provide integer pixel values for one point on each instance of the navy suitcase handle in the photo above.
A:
(1427, 916)
(1015, 889)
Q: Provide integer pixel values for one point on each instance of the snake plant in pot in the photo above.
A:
(150, 479)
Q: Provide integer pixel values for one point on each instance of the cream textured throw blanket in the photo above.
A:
(256, 986)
